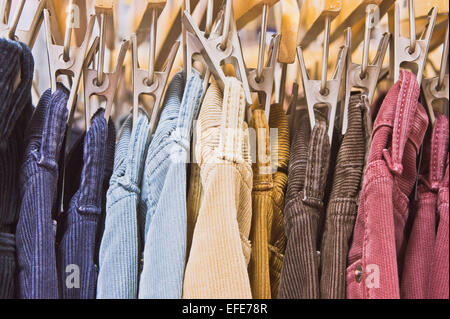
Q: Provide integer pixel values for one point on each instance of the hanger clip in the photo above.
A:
(220, 49)
(265, 84)
(108, 88)
(156, 89)
(437, 88)
(10, 30)
(323, 92)
(411, 50)
(363, 76)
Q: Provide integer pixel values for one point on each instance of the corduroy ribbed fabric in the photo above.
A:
(376, 255)
(109, 166)
(15, 112)
(36, 229)
(304, 210)
(269, 182)
(220, 252)
(79, 226)
(164, 191)
(417, 270)
(122, 240)
(439, 281)
(343, 205)
(15, 57)
(194, 201)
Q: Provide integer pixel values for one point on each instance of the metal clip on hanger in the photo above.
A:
(186, 65)
(411, 50)
(149, 82)
(437, 88)
(323, 92)
(64, 60)
(261, 80)
(194, 47)
(363, 76)
(353, 16)
(226, 48)
(96, 82)
(109, 86)
(11, 32)
(142, 85)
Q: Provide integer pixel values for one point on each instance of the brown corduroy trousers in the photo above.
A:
(343, 205)
(315, 262)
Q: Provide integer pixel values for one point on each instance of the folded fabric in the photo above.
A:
(164, 191)
(418, 269)
(304, 210)
(15, 112)
(376, 255)
(36, 228)
(269, 182)
(343, 205)
(220, 252)
(79, 226)
(122, 240)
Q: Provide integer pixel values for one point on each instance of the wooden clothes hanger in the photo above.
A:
(290, 21)
(248, 10)
(315, 17)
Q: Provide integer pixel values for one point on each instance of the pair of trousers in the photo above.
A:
(418, 271)
(376, 255)
(15, 112)
(342, 207)
(304, 210)
(269, 183)
(122, 241)
(36, 228)
(164, 190)
(78, 228)
(220, 250)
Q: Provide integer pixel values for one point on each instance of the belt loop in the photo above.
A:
(407, 102)
(232, 123)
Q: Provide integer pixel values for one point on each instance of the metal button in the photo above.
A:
(359, 273)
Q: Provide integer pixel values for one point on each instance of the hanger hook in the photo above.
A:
(262, 42)
(444, 62)
(4, 11)
(412, 27)
(226, 24)
(68, 35)
(101, 52)
(152, 44)
(370, 22)
(209, 18)
(326, 49)
(15, 22)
